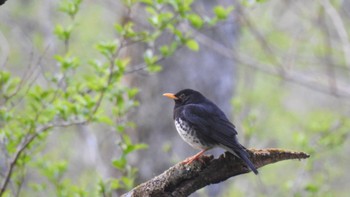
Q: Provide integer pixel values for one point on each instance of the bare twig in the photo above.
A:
(265, 46)
(340, 28)
(26, 143)
(25, 78)
(292, 76)
(141, 66)
(332, 80)
(4, 51)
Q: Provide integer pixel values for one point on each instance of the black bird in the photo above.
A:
(204, 126)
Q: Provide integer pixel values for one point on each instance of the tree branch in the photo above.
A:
(182, 180)
(24, 146)
(340, 28)
(297, 77)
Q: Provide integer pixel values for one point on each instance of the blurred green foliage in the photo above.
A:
(273, 110)
(84, 89)
(87, 87)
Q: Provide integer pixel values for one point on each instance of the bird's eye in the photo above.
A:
(182, 96)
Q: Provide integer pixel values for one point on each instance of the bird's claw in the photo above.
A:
(189, 160)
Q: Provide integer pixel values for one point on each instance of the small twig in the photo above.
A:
(296, 77)
(4, 51)
(141, 66)
(24, 80)
(340, 28)
(24, 146)
(265, 46)
(332, 81)
(20, 186)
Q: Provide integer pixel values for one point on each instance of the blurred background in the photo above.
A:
(279, 69)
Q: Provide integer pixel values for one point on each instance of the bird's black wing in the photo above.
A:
(211, 122)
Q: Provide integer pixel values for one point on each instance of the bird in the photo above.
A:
(203, 125)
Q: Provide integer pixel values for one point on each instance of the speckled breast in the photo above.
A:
(189, 135)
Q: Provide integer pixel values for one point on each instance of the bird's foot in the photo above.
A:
(194, 157)
(189, 160)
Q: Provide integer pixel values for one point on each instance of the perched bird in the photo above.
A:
(204, 126)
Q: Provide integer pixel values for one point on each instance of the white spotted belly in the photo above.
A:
(188, 134)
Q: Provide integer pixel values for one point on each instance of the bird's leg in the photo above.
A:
(194, 157)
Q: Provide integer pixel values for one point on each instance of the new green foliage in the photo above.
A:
(80, 90)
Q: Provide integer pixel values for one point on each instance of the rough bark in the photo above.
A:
(182, 180)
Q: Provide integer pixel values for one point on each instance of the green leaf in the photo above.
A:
(119, 28)
(67, 62)
(63, 33)
(115, 184)
(132, 92)
(211, 21)
(107, 48)
(154, 68)
(149, 58)
(313, 188)
(70, 7)
(37, 187)
(195, 20)
(140, 146)
(4, 115)
(128, 182)
(4, 77)
(192, 44)
(174, 46)
(154, 21)
(120, 128)
(119, 163)
(164, 50)
(127, 139)
(122, 63)
(151, 10)
(148, 2)
(165, 17)
(222, 13)
(105, 119)
(129, 31)
(12, 85)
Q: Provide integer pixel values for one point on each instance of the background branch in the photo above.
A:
(340, 29)
(182, 180)
(305, 80)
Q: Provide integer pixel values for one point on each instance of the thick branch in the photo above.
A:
(181, 180)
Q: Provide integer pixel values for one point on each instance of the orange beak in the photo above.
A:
(170, 95)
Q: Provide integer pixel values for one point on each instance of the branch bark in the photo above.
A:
(182, 180)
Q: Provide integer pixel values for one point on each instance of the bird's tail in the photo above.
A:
(243, 154)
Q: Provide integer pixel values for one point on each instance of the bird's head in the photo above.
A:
(186, 96)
